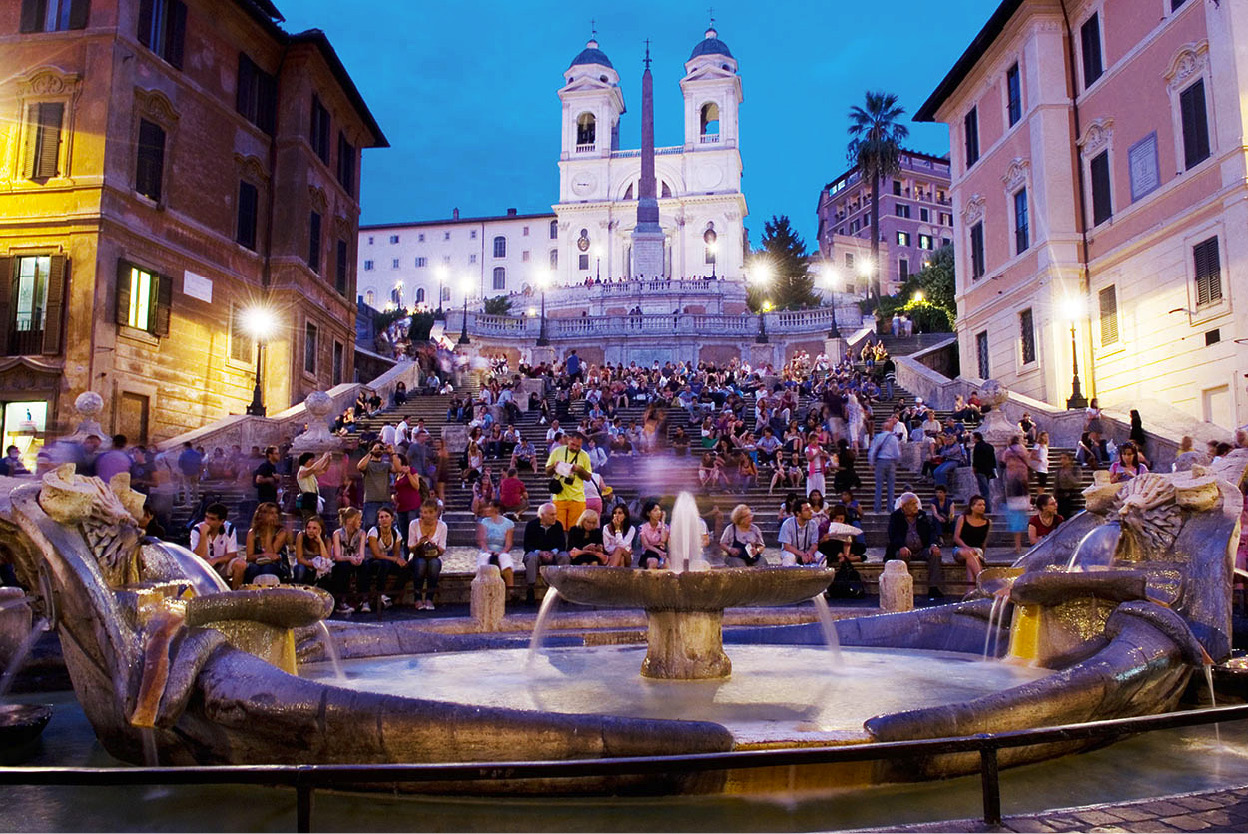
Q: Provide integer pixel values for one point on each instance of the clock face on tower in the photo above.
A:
(584, 183)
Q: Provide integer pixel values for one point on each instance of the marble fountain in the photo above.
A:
(162, 655)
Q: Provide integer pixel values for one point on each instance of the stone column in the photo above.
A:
(896, 587)
(489, 597)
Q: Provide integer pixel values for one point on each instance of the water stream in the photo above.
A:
(995, 617)
(1213, 701)
(541, 626)
(19, 657)
(331, 651)
(828, 625)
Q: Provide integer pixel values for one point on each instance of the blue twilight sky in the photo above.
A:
(466, 91)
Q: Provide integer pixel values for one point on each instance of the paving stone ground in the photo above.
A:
(1224, 810)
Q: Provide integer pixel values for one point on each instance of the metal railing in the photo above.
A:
(305, 779)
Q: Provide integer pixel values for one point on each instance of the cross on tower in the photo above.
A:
(647, 53)
(593, 30)
(711, 12)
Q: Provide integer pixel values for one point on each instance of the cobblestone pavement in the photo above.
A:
(1225, 810)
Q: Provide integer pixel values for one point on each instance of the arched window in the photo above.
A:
(554, 230)
(586, 130)
(420, 295)
(500, 278)
(666, 192)
(554, 258)
(500, 247)
(446, 294)
(710, 119)
(628, 195)
(370, 298)
(396, 296)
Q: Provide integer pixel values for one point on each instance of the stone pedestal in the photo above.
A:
(760, 355)
(489, 598)
(835, 349)
(896, 587)
(455, 437)
(543, 353)
(317, 438)
(963, 485)
(685, 645)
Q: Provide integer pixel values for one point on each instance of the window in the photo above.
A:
(524, 256)
(897, 187)
(248, 214)
(472, 259)
(394, 239)
(394, 264)
(981, 354)
(256, 100)
(1022, 231)
(849, 260)
(368, 266)
(1208, 272)
(396, 296)
(318, 130)
(1090, 35)
(709, 119)
(1176, 4)
(421, 237)
(708, 255)
(970, 130)
(162, 28)
(314, 242)
(582, 262)
(554, 229)
(446, 235)
(903, 238)
(339, 357)
(309, 348)
(340, 268)
(925, 216)
(903, 210)
(525, 231)
(903, 269)
(472, 234)
(149, 173)
(944, 241)
(1108, 303)
(946, 219)
(346, 164)
(977, 251)
(446, 294)
(370, 240)
(370, 297)
(1027, 336)
(421, 263)
(242, 346)
(53, 15)
(586, 131)
(1195, 124)
(500, 247)
(143, 299)
(43, 140)
(500, 278)
(1102, 203)
(554, 258)
(866, 220)
(420, 295)
(925, 241)
(35, 287)
(1014, 89)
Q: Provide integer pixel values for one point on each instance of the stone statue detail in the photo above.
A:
(108, 516)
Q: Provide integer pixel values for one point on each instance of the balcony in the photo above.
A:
(708, 139)
(589, 148)
(594, 328)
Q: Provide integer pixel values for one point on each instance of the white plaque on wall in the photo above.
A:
(1145, 172)
(197, 286)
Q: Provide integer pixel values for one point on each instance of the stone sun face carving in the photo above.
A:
(1147, 509)
(107, 515)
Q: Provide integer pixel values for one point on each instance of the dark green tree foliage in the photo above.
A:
(421, 324)
(937, 311)
(792, 285)
(499, 305)
(876, 134)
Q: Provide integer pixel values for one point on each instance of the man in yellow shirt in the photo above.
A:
(570, 466)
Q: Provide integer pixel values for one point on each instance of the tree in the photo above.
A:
(791, 285)
(875, 144)
(937, 283)
(499, 305)
(927, 297)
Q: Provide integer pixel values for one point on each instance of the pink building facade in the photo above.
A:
(916, 219)
(1100, 183)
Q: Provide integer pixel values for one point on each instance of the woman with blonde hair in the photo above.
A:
(347, 546)
(742, 542)
(585, 540)
(266, 546)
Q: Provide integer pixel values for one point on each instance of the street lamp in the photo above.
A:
(598, 256)
(866, 269)
(761, 275)
(258, 322)
(713, 248)
(463, 330)
(544, 279)
(441, 273)
(832, 277)
(917, 297)
(1074, 310)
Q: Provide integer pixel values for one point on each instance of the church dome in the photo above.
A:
(710, 45)
(591, 54)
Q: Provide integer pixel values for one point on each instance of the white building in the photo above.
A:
(701, 207)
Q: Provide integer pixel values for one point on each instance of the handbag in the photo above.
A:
(847, 584)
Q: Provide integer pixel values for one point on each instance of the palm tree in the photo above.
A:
(875, 137)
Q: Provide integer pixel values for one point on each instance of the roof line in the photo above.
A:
(963, 66)
(448, 221)
(318, 39)
(906, 151)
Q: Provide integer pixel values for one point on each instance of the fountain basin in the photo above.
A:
(685, 609)
(20, 726)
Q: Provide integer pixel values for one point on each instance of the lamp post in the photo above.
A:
(463, 330)
(713, 247)
(831, 277)
(760, 276)
(441, 273)
(543, 281)
(598, 258)
(258, 323)
(761, 338)
(1074, 311)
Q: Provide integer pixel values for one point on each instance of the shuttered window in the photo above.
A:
(970, 129)
(150, 170)
(256, 98)
(43, 140)
(500, 278)
(309, 348)
(339, 356)
(32, 304)
(981, 354)
(53, 15)
(340, 268)
(1195, 124)
(1027, 336)
(314, 242)
(1014, 86)
(318, 135)
(248, 214)
(1208, 272)
(1022, 226)
(1093, 65)
(144, 299)
(346, 164)
(162, 28)
(242, 345)
(1102, 200)
(977, 251)
(1108, 302)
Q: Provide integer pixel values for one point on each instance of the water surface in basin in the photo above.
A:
(776, 692)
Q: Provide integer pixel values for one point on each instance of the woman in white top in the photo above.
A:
(426, 543)
(1040, 457)
(617, 539)
(385, 553)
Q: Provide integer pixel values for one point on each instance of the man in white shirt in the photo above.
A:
(387, 434)
(214, 541)
(799, 538)
(402, 433)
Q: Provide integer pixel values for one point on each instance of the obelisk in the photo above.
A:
(648, 239)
